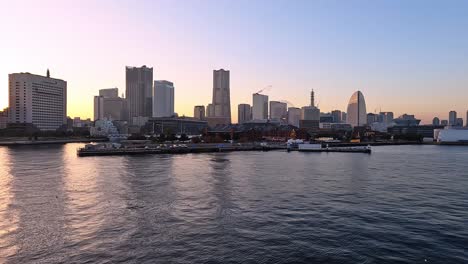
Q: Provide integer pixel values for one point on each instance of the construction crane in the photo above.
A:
(266, 88)
(287, 102)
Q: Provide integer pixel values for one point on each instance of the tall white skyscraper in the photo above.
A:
(221, 95)
(278, 110)
(259, 106)
(98, 108)
(37, 100)
(163, 99)
(244, 113)
(139, 91)
(210, 110)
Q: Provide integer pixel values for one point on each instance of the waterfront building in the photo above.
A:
(176, 125)
(78, 122)
(109, 93)
(406, 120)
(310, 113)
(221, 96)
(452, 118)
(356, 113)
(244, 113)
(444, 122)
(326, 118)
(336, 114)
(278, 110)
(139, 91)
(294, 115)
(425, 131)
(4, 118)
(259, 106)
(459, 122)
(98, 107)
(163, 99)
(451, 135)
(103, 128)
(36, 100)
(436, 121)
(199, 112)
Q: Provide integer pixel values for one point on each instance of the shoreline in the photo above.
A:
(49, 141)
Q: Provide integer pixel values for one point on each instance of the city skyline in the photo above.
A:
(417, 68)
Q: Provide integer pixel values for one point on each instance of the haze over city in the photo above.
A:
(406, 57)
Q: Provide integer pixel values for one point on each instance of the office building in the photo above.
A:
(244, 113)
(259, 106)
(278, 110)
(357, 114)
(436, 121)
(310, 113)
(109, 93)
(37, 100)
(98, 108)
(444, 122)
(139, 91)
(459, 122)
(344, 117)
(115, 108)
(336, 114)
(163, 99)
(199, 112)
(294, 115)
(452, 118)
(371, 118)
(221, 96)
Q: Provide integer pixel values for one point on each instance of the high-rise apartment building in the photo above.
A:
(278, 110)
(452, 118)
(221, 96)
(98, 108)
(244, 113)
(163, 100)
(294, 115)
(259, 106)
(199, 112)
(139, 91)
(37, 100)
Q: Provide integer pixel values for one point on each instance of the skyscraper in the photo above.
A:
(294, 115)
(115, 107)
(278, 110)
(336, 114)
(357, 115)
(259, 106)
(37, 100)
(244, 113)
(210, 110)
(221, 95)
(452, 118)
(163, 99)
(310, 113)
(312, 98)
(199, 112)
(436, 121)
(139, 91)
(98, 108)
(344, 117)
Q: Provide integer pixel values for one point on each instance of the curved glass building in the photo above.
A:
(357, 114)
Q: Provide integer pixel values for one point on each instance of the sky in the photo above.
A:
(405, 56)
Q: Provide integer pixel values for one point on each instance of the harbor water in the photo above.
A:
(401, 204)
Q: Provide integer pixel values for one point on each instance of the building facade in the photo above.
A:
(37, 100)
(278, 110)
(259, 106)
(310, 113)
(452, 118)
(109, 93)
(163, 100)
(357, 113)
(336, 114)
(4, 118)
(294, 115)
(210, 110)
(199, 112)
(244, 113)
(139, 91)
(435, 121)
(221, 95)
(98, 108)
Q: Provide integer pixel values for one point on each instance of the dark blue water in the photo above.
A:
(401, 204)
